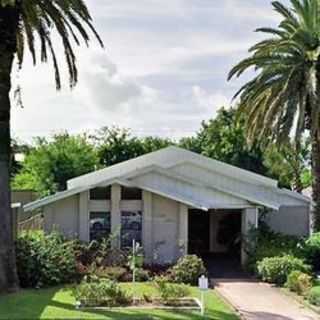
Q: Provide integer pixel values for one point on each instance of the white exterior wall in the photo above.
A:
(249, 221)
(183, 229)
(84, 234)
(162, 244)
(63, 216)
(290, 220)
(116, 213)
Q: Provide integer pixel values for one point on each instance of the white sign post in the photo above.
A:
(203, 286)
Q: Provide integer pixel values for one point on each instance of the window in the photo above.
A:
(102, 193)
(131, 193)
(100, 225)
(131, 228)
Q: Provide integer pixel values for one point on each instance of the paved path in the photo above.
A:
(260, 301)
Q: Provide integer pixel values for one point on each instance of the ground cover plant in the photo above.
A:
(170, 291)
(95, 291)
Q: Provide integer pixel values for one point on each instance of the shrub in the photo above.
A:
(157, 269)
(268, 244)
(142, 275)
(112, 273)
(169, 291)
(44, 260)
(94, 291)
(314, 296)
(311, 250)
(188, 270)
(299, 282)
(276, 269)
(101, 254)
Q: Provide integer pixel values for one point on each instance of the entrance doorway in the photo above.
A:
(199, 232)
(215, 236)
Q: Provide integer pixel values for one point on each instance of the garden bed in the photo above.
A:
(179, 304)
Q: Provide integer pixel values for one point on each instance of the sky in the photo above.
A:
(163, 70)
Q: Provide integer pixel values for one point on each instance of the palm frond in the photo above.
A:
(39, 20)
(287, 75)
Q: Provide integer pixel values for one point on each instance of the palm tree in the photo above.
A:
(23, 23)
(282, 100)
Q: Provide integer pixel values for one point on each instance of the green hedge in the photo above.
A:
(277, 269)
(269, 244)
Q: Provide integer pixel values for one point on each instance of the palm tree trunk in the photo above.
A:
(316, 182)
(8, 27)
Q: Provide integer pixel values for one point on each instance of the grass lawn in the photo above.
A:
(58, 303)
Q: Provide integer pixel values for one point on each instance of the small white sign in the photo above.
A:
(203, 283)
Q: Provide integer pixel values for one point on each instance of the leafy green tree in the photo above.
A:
(283, 96)
(115, 145)
(31, 22)
(150, 144)
(49, 164)
(193, 144)
(223, 138)
(289, 166)
(17, 148)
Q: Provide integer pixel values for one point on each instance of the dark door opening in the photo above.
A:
(215, 236)
(199, 236)
(226, 233)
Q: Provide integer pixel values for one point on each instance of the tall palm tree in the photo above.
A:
(282, 99)
(25, 23)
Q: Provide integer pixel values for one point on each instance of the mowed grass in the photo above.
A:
(58, 303)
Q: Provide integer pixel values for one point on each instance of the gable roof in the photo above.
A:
(189, 168)
(166, 158)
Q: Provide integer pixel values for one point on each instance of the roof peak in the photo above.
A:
(168, 157)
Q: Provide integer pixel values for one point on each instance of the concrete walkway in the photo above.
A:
(260, 301)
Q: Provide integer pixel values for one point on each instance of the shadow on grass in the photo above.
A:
(56, 303)
(146, 314)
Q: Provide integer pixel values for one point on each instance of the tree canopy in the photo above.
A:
(49, 164)
(115, 145)
(223, 138)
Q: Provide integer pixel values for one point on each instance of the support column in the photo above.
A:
(249, 221)
(84, 234)
(183, 230)
(116, 214)
(147, 228)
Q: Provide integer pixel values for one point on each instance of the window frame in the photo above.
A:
(138, 231)
(107, 193)
(108, 230)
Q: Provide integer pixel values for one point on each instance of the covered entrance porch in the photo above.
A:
(217, 236)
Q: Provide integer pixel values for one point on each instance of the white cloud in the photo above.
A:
(207, 100)
(164, 69)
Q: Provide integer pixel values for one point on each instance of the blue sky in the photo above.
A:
(163, 70)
